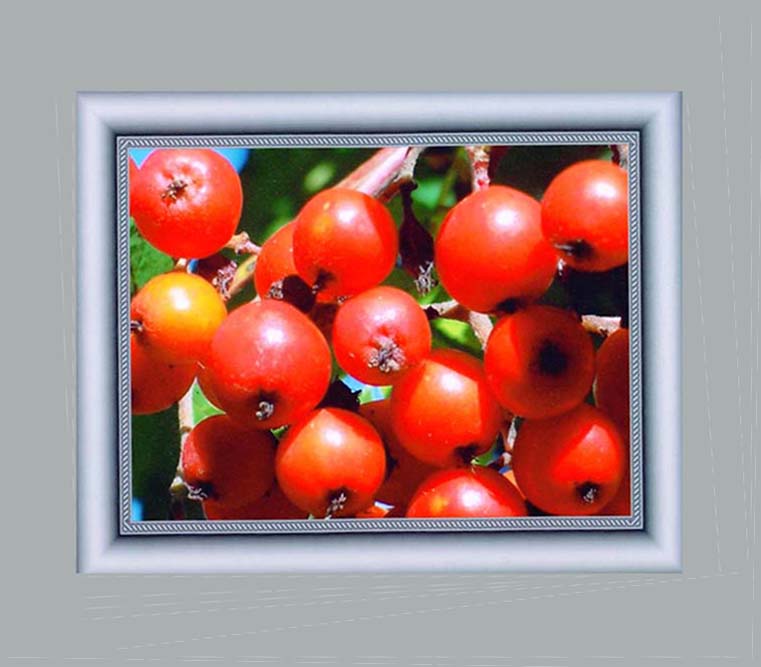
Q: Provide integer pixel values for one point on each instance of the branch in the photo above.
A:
(600, 324)
(452, 310)
(177, 490)
(242, 244)
(384, 172)
(381, 176)
(620, 155)
(481, 325)
(479, 165)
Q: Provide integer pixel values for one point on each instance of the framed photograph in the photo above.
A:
(374, 332)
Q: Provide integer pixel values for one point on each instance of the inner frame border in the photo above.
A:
(311, 141)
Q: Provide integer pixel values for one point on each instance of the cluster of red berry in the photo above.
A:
(285, 448)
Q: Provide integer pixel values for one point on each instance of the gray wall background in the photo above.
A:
(703, 616)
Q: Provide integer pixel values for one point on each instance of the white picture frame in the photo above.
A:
(111, 123)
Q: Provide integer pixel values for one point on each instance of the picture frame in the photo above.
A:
(111, 123)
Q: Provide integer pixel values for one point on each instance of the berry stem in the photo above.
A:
(381, 176)
(178, 490)
(241, 244)
(600, 324)
(479, 165)
(481, 325)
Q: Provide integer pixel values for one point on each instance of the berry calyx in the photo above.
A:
(443, 411)
(268, 364)
(186, 202)
(539, 361)
(227, 464)
(344, 242)
(175, 315)
(466, 492)
(572, 464)
(585, 215)
(490, 253)
(331, 463)
(380, 334)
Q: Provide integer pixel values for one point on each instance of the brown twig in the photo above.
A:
(481, 325)
(601, 325)
(384, 172)
(479, 165)
(242, 244)
(381, 176)
(177, 490)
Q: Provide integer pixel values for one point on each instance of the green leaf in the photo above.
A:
(155, 450)
(145, 261)
(202, 407)
(455, 334)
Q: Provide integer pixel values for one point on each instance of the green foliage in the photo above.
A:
(145, 261)
(202, 407)
(155, 448)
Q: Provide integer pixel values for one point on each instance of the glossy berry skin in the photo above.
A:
(344, 242)
(539, 361)
(175, 316)
(611, 386)
(443, 411)
(156, 385)
(268, 364)
(466, 492)
(572, 464)
(585, 215)
(186, 202)
(275, 261)
(380, 334)
(223, 462)
(490, 252)
(621, 505)
(204, 382)
(331, 463)
(404, 473)
(272, 505)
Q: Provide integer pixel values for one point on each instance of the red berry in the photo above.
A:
(331, 463)
(204, 382)
(156, 385)
(273, 505)
(268, 364)
(466, 492)
(404, 473)
(611, 387)
(621, 505)
(585, 215)
(373, 512)
(571, 464)
(344, 242)
(380, 334)
(490, 252)
(223, 462)
(175, 316)
(442, 410)
(539, 361)
(275, 260)
(187, 202)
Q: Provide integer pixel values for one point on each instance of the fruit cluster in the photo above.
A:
(537, 423)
